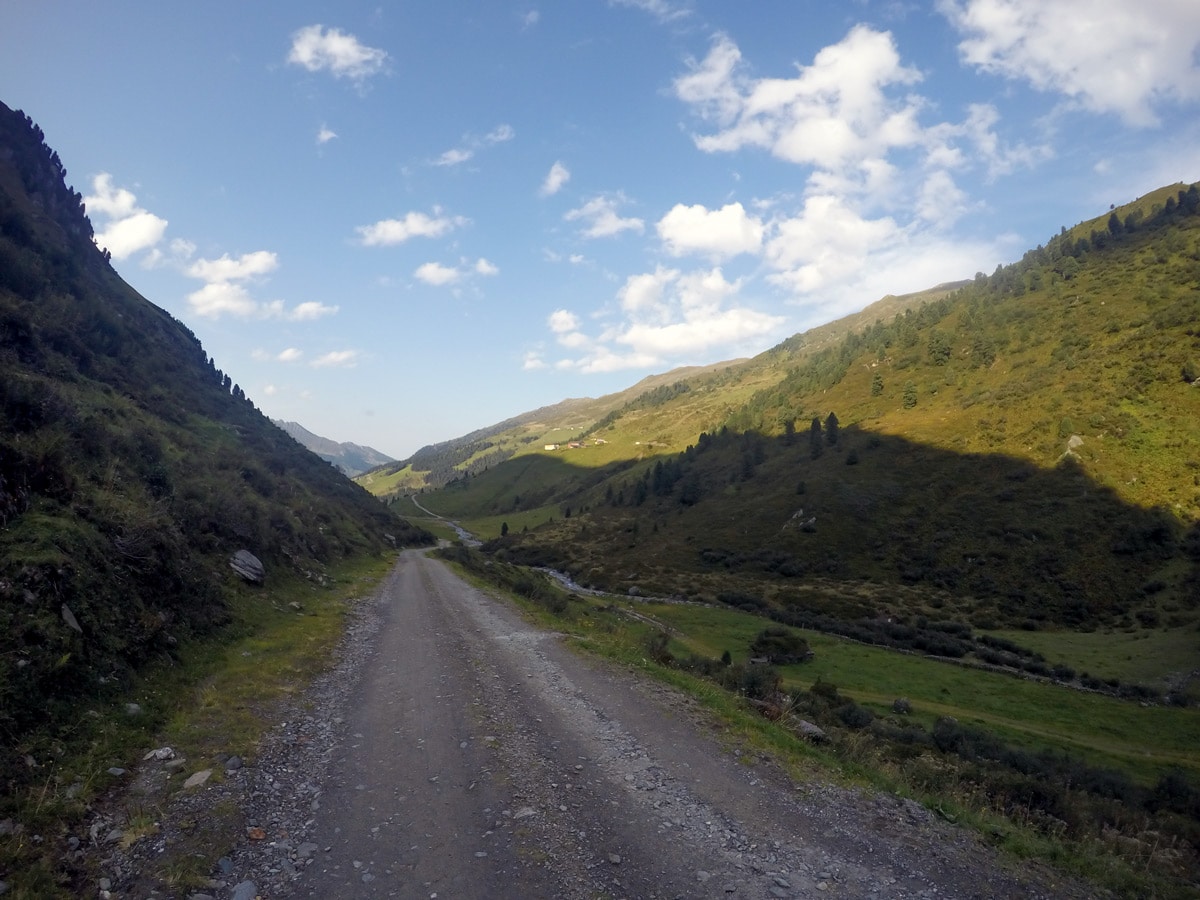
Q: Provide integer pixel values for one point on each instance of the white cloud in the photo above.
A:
(248, 265)
(436, 274)
(834, 114)
(600, 218)
(500, 134)
(225, 292)
(530, 18)
(270, 390)
(454, 157)
(387, 232)
(941, 202)
(719, 234)
(471, 143)
(533, 361)
(558, 176)
(879, 185)
(319, 49)
(310, 310)
(562, 321)
(826, 241)
(667, 316)
(663, 10)
(1111, 56)
(129, 229)
(485, 267)
(325, 135)
(291, 354)
(222, 297)
(344, 359)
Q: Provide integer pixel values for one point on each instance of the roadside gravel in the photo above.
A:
(455, 751)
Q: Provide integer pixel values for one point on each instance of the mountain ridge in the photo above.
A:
(352, 459)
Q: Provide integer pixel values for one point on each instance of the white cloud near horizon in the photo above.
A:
(388, 232)
(668, 316)
(555, 179)
(319, 49)
(129, 228)
(1110, 56)
(600, 218)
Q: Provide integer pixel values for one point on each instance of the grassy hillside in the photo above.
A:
(1016, 452)
(131, 469)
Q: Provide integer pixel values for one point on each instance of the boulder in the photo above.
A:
(249, 566)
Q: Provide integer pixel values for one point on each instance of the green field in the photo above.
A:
(1144, 741)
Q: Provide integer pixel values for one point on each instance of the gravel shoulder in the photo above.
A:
(457, 751)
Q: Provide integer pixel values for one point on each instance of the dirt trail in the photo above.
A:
(483, 759)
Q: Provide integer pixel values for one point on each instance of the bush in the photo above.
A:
(780, 646)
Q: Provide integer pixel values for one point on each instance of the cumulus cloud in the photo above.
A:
(834, 113)
(388, 232)
(343, 359)
(600, 218)
(325, 135)
(321, 49)
(248, 265)
(720, 234)
(558, 176)
(225, 291)
(128, 228)
(667, 316)
(436, 274)
(220, 298)
(1110, 56)
(533, 361)
(878, 182)
(291, 354)
(310, 310)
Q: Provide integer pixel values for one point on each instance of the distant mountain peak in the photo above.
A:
(353, 459)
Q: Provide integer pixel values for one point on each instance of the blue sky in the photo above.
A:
(397, 222)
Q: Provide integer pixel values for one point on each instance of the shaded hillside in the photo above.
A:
(1019, 450)
(351, 459)
(131, 468)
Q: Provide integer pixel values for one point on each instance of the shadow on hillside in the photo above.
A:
(1028, 545)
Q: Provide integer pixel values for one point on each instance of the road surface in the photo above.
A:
(483, 759)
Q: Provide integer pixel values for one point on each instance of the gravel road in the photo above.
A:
(458, 752)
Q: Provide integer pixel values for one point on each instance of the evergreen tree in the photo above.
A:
(831, 430)
(910, 395)
(877, 384)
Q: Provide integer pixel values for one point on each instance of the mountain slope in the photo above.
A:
(131, 469)
(352, 459)
(1020, 450)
